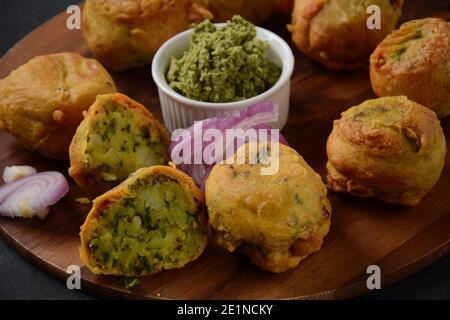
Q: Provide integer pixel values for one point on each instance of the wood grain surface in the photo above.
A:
(364, 232)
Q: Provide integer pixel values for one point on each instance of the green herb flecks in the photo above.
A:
(129, 282)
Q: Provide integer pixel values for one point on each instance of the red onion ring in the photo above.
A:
(32, 195)
(254, 117)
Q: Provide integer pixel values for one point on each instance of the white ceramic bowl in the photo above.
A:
(181, 112)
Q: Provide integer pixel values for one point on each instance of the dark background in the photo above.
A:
(20, 279)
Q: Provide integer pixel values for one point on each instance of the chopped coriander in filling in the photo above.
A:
(153, 228)
(120, 143)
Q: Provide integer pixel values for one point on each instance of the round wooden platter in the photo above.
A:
(364, 232)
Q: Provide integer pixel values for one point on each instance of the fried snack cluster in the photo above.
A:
(117, 137)
(388, 148)
(276, 220)
(335, 33)
(153, 221)
(42, 102)
(127, 33)
(415, 61)
(255, 11)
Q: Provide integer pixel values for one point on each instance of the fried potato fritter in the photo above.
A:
(153, 221)
(42, 102)
(335, 33)
(127, 33)
(277, 220)
(388, 148)
(415, 61)
(117, 137)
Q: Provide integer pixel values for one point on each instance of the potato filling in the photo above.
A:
(152, 229)
(120, 144)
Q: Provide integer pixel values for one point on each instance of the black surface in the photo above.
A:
(19, 279)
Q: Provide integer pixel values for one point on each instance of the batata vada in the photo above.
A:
(415, 61)
(42, 102)
(127, 33)
(153, 221)
(335, 33)
(276, 220)
(117, 137)
(388, 148)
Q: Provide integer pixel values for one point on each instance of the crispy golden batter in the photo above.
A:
(388, 148)
(153, 221)
(117, 137)
(277, 220)
(334, 32)
(127, 33)
(415, 61)
(42, 102)
(255, 11)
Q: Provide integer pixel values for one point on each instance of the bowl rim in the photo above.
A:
(286, 73)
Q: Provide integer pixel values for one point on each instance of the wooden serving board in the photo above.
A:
(364, 232)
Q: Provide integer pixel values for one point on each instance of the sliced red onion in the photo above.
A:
(33, 195)
(14, 173)
(254, 117)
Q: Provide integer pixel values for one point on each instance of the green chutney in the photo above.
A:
(223, 65)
